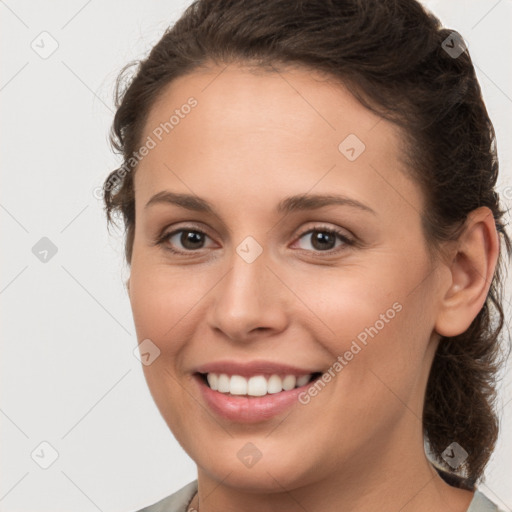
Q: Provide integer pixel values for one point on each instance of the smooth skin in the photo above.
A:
(253, 139)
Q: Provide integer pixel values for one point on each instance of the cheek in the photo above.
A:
(162, 299)
(377, 319)
(352, 300)
(162, 305)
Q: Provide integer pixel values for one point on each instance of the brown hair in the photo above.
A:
(395, 58)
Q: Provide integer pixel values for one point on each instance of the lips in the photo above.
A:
(248, 409)
(238, 406)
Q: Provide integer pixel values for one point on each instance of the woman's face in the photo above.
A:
(270, 281)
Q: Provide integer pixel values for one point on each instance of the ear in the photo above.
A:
(471, 270)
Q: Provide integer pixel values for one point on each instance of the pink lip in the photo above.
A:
(252, 368)
(243, 409)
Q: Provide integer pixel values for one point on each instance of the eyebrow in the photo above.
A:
(287, 205)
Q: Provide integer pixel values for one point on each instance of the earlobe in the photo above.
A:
(472, 270)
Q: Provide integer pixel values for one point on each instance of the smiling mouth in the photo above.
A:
(255, 386)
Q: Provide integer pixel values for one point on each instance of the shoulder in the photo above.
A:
(481, 503)
(176, 502)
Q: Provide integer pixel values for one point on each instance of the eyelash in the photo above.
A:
(163, 238)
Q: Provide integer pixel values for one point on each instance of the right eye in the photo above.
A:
(190, 238)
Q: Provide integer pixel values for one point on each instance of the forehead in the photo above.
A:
(305, 103)
(288, 129)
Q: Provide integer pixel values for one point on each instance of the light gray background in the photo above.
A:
(69, 376)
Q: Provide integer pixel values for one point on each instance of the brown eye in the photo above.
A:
(324, 239)
(186, 240)
(191, 239)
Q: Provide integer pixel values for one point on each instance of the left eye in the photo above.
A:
(323, 239)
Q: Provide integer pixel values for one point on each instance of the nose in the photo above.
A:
(249, 300)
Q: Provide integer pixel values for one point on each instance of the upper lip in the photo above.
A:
(250, 368)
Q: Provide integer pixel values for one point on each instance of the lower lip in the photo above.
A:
(243, 409)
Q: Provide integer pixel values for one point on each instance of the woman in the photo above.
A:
(358, 376)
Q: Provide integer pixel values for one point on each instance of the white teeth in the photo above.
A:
(274, 384)
(289, 382)
(237, 385)
(213, 381)
(223, 383)
(254, 386)
(303, 380)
